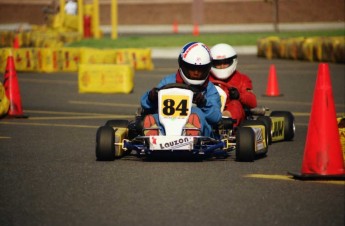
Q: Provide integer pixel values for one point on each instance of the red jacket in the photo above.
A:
(244, 86)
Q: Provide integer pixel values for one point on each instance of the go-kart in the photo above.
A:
(118, 138)
(280, 125)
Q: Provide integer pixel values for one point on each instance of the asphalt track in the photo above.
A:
(49, 174)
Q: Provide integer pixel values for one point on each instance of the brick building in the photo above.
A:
(147, 12)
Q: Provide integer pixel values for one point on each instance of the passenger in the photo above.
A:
(194, 67)
(237, 86)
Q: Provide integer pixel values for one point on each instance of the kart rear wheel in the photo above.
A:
(105, 148)
(268, 125)
(245, 144)
(289, 123)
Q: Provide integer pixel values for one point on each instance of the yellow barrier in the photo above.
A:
(293, 47)
(326, 49)
(268, 47)
(339, 49)
(4, 53)
(105, 78)
(143, 60)
(48, 60)
(98, 56)
(308, 48)
(341, 125)
(40, 37)
(125, 56)
(70, 59)
(140, 59)
(24, 59)
(4, 102)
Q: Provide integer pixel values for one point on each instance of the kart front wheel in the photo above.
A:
(266, 131)
(245, 144)
(105, 148)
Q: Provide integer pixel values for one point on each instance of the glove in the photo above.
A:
(234, 94)
(153, 95)
(199, 100)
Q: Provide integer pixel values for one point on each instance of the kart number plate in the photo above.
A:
(175, 106)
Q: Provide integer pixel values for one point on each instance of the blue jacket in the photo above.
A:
(209, 115)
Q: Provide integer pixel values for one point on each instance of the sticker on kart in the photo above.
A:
(171, 143)
(259, 138)
(277, 131)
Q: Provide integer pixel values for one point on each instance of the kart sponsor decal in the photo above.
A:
(259, 138)
(153, 140)
(171, 143)
(277, 128)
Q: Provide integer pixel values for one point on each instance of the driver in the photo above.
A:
(237, 86)
(194, 67)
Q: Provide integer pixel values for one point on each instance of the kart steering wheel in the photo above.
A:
(176, 85)
(181, 86)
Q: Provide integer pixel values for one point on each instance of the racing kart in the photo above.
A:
(118, 138)
(280, 125)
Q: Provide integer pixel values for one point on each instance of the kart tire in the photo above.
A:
(105, 148)
(268, 125)
(119, 123)
(289, 123)
(245, 144)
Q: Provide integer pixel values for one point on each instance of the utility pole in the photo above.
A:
(275, 15)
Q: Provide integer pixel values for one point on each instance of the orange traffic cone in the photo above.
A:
(175, 27)
(12, 90)
(196, 30)
(323, 157)
(272, 89)
(16, 44)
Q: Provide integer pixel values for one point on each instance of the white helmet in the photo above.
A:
(223, 54)
(194, 56)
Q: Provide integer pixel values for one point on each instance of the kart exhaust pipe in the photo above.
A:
(259, 110)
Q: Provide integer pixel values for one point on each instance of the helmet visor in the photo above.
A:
(223, 62)
(196, 72)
